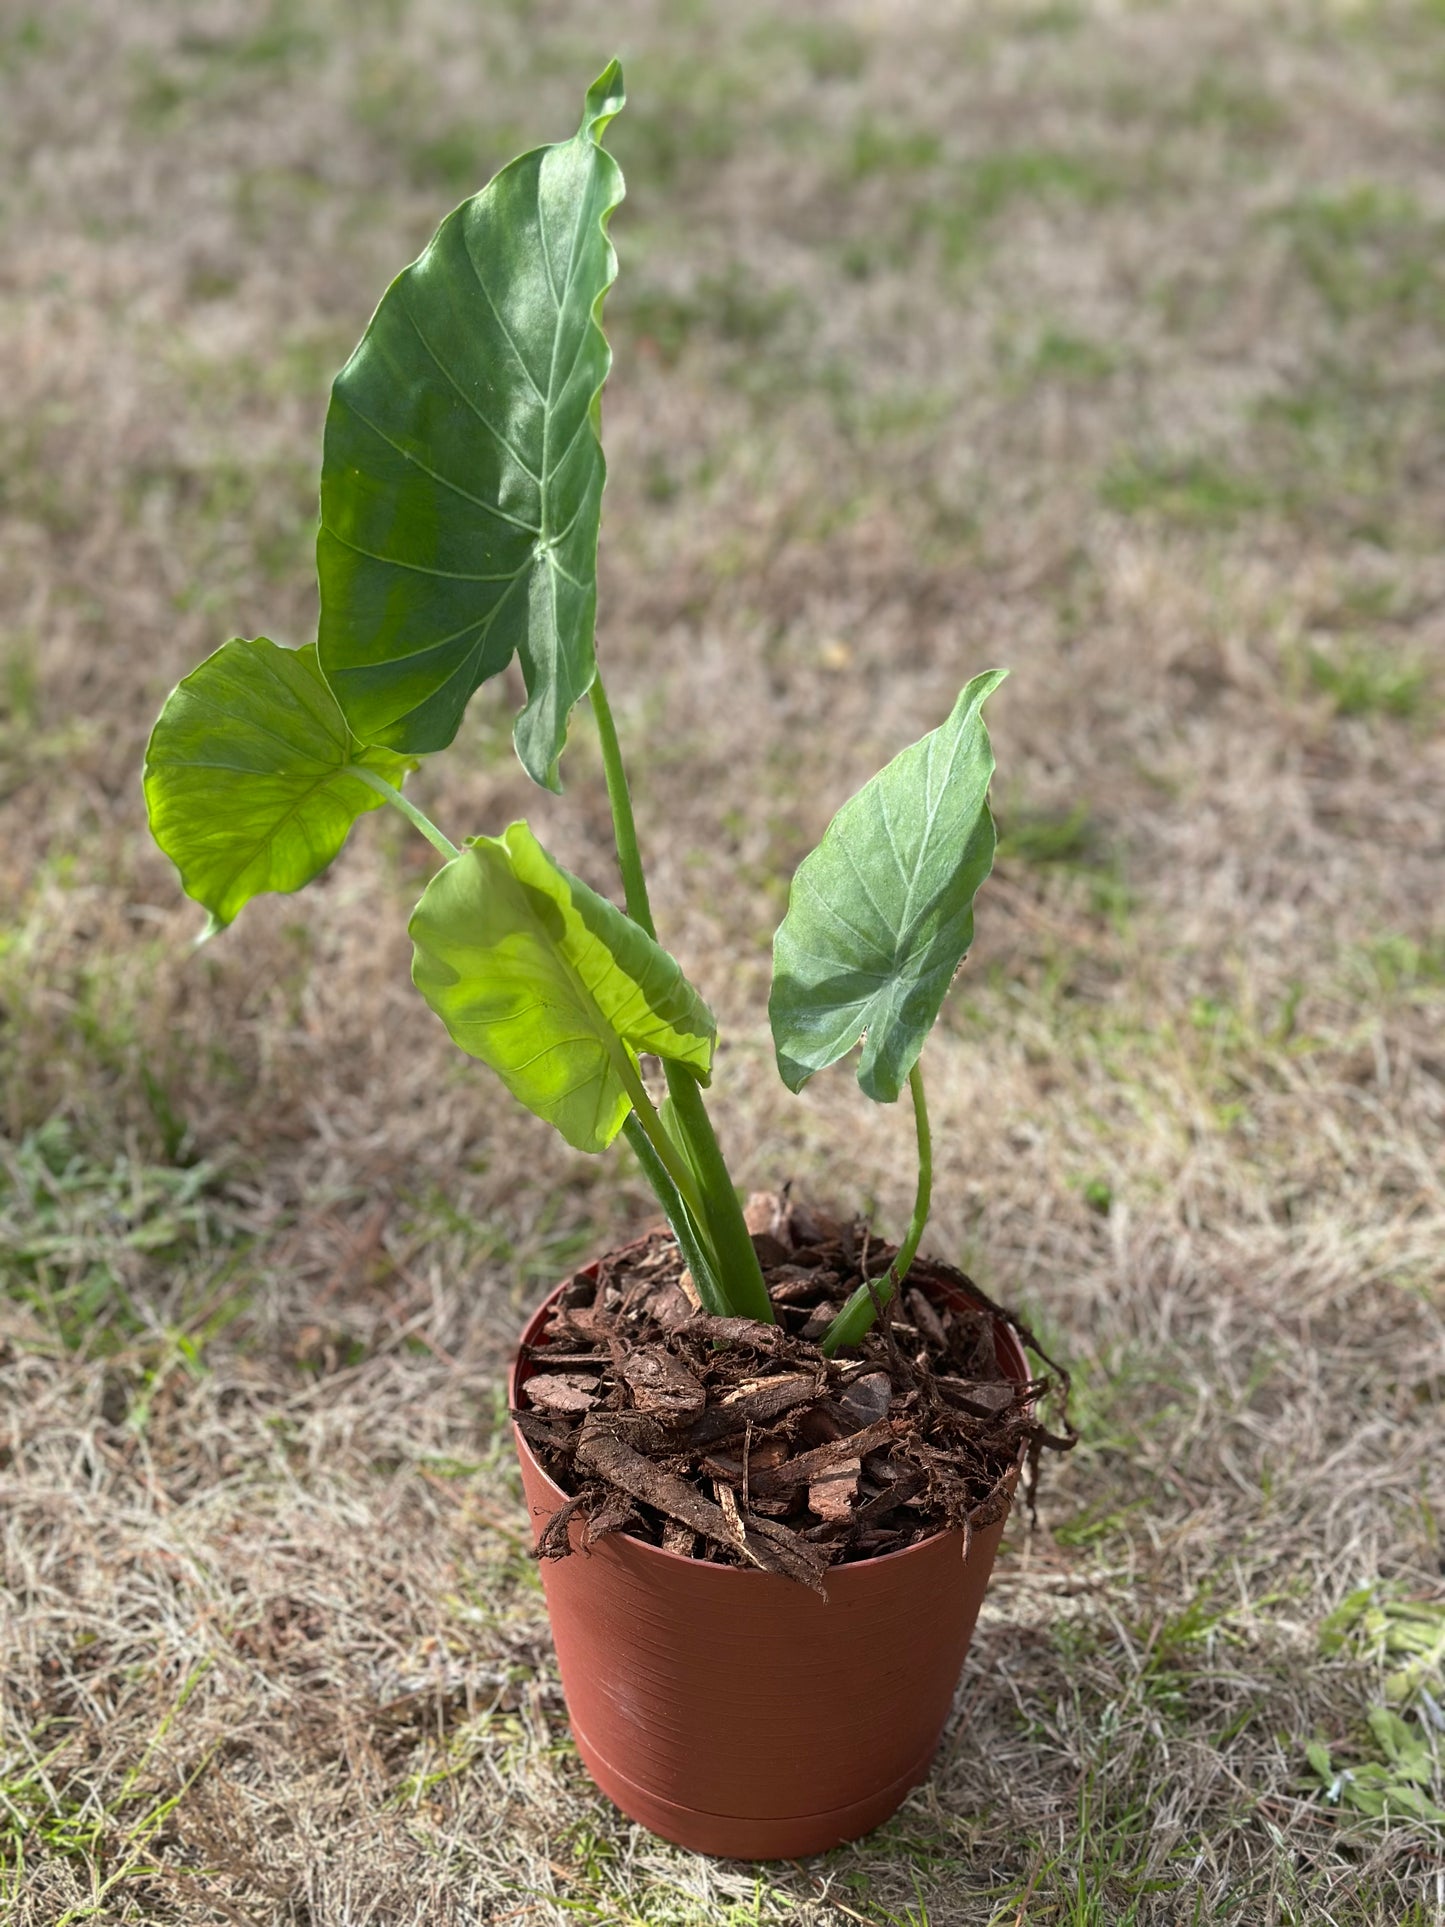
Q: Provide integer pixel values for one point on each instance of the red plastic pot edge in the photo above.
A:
(1010, 1355)
(732, 1836)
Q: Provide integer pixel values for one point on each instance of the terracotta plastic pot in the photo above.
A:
(737, 1713)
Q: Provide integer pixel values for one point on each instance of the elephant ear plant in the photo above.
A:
(461, 491)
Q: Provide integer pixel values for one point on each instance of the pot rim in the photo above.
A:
(1004, 1335)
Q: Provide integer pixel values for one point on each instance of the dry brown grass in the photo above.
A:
(1103, 341)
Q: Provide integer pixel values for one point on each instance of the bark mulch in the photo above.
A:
(728, 1440)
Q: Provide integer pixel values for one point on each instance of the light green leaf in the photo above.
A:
(461, 484)
(1403, 1745)
(551, 985)
(881, 913)
(250, 779)
(1318, 1755)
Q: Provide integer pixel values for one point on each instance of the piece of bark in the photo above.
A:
(757, 1399)
(553, 1434)
(661, 1383)
(808, 1466)
(604, 1455)
(669, 1306)
(555, 1539)
(903, 1484)
(616, 1513)
(809, 1227)
(867, 1398)
(732, 1512)
(770, 1251)
(833, 1494)
(763, 1455)
(562, 1392)
(730, 1331)
(824, 1422)
(679, 1538)
(794, 1285)
(820, 1318)
(583, 1324)
(687, 1285)
(980, 1398)
(921, 1311)
(764, 1212)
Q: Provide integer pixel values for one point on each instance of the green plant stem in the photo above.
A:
(737, 1261)
(874, 1295)
(409, 810)
(720, 1220)
(699, 1261)
(624, 825)
(668, 1154)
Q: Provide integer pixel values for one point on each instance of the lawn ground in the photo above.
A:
(1103, 341)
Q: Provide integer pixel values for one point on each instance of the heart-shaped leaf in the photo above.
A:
(881, 913)
(550, 984)
(250, 775)
(461, 484)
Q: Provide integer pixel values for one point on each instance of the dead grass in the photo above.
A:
(1102, 341)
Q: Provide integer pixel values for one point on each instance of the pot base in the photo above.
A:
(744, 1837)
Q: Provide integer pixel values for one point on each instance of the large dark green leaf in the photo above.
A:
(461, 485)
(551, 985)
(250, 775)
(881, 913)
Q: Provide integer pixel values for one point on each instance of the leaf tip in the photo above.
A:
(606, 98)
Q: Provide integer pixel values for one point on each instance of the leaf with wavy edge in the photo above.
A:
(249, 775)
(550, 984)
(881, 913)
(461, 483)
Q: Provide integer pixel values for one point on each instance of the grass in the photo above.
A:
(1096, 341)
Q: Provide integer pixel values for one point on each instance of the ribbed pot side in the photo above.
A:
(737, 1713)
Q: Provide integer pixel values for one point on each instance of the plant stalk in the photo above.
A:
(720, 1219)
(874, 1295)
(645, 1112)
(699, 1261)
(409, 810)
(624, 824)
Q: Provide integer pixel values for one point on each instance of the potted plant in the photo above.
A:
(768, 1461)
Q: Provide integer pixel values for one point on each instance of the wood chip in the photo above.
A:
(796, 1285)
(562, 1392)
(868, 1397)
(832, 1494)
(982, 1397)
(731, 1331)
(767, 1544)
(661, 1383)
(616, 1513)
(757, 1399)
(551, 1434)
(808, 1466)
(764, 1212)
(927, 1319)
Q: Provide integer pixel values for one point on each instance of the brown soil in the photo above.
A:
(728, 1440)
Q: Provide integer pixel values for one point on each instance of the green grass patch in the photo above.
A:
(1368, 249)
(76, 1236)
(1070, 838)
(1362, 678)
(1061, 356)
(1193, 490)
(1392, 1769)
(1234, 105)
